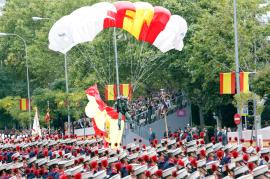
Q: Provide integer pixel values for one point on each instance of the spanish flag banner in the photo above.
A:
(110, 92)
(227, 83)
(244, 82)
(126, 90)
(23, 104)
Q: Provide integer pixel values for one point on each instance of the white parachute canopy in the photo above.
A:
(172, 36)
(80, 26)
(85, 23)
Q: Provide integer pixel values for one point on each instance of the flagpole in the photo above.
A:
(117, 74)
(239, 127)
(116, 63)
(49, 122)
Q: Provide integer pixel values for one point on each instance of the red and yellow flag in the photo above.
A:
(126, 90)
(227, 83)
(244, 82)
(23, 104)
(110, 92)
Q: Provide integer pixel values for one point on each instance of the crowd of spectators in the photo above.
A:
(146, 110)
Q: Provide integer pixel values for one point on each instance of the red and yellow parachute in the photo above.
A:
(154, 25)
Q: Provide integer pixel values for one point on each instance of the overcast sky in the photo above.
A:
(2, 2)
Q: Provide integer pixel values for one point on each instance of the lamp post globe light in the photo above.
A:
(27, 71)
(36, 18)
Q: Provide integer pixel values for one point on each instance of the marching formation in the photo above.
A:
(73, 157)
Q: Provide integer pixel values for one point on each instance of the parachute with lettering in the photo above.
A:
(154, 25)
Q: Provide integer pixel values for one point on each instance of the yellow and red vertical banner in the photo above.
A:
(244, 82)
(227, 83)
(110, 92)
(24, 104)
(126, 90)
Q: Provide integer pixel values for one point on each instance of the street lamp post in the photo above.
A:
(237, 66)
(27, 71)
(67, 91)
(36, 18)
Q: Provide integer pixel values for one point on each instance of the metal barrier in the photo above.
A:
(140, 129)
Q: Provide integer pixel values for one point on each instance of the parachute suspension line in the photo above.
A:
(92, 64)
(104, 57)
(100, 68)
(144, 71)
(152, 71)
(131, 61)
(140, 68)
(136, 66)
(142, 61)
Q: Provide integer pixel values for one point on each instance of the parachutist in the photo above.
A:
(121, 106)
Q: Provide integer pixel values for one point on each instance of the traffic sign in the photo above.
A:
(237, 119)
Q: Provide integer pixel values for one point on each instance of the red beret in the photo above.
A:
(146, 158)
(194, 162)
(181, 163)
(201, 134)
(147, 173)
(220, 154)
(220, 139)
(154, 158)
(129, 168)
(60, 152)
(214, 167)
(144, 146)
(244, 149)
(203, 153)
(118, 166)
(78, 176)
(174, 174)
(251, 166)
(235, 154)
(81, 160)
(156, 141)
(245, 157)
(266, 158)
(45, 152)
(63, 176)
(158, 173)
(93, 164)
(104, 163)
